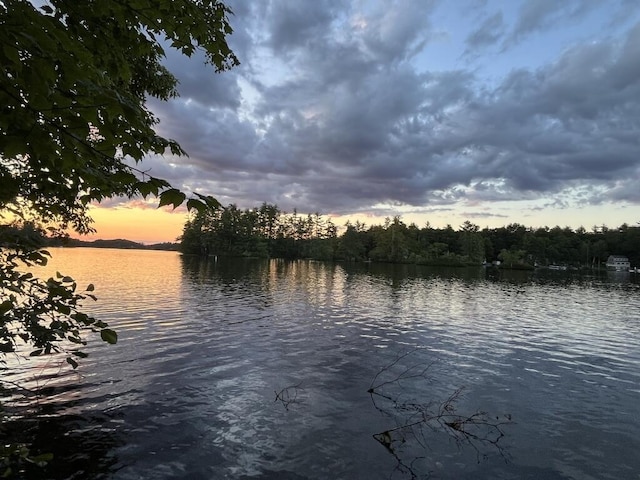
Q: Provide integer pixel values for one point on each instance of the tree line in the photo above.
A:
(266, 231)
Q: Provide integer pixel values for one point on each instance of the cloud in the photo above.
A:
(541, 15)
(335, 110)
(294, 25)
(490, 31)
(197, 84)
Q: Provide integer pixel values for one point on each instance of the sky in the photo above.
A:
(497, 112)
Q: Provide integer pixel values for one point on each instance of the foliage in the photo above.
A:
(40, 316)
(258, 232)
(471, 243)
(512, 258)
(266, 231)
(74, 124)
(14, 456)
(353, 242)
(76, 77)
(73, 91)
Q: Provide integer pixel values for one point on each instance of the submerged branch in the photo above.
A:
(415, 420)
(288, 395)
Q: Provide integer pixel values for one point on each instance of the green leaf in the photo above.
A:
(193, 204)
(42, 459)
(173, 196)
(11, 53)
(210, 201)
(109, 336)
(72, 362)
(5, 306)
(90, 287)
(145, 189)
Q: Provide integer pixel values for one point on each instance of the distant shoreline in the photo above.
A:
(117, 243)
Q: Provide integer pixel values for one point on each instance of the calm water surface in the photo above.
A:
(261, 369)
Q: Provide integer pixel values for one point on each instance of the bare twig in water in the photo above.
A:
(415, 371)
(26, 392)
(415, 420)
(288, 395)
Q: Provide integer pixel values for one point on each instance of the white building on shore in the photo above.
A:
(618, 262)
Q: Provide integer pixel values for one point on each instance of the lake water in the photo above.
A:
(262, 369)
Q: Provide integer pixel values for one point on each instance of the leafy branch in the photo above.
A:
(13, 456)
(43, 314)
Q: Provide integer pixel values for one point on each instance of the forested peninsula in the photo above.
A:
(268, 232)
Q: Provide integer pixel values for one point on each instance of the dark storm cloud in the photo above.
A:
(211, 137)
(196, 83)
(575, 119)
(293, 24)
(330, 111)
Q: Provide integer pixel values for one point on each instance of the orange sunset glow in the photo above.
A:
(139, 223)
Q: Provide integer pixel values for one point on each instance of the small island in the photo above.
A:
(268, 232)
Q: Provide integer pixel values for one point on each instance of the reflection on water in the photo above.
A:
(191, 389)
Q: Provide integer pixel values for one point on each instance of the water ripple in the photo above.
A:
(191, 388)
